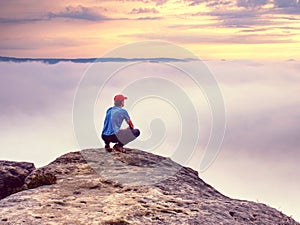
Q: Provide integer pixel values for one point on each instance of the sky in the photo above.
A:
(215, 29)
(250, 46)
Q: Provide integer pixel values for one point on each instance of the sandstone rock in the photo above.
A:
(92, 188)
(12, 176)
(38, 178)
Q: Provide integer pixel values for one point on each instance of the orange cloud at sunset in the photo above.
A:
(211, 29)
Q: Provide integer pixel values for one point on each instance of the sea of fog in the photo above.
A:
(257, 161)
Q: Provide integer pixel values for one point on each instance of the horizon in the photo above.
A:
(47, 60)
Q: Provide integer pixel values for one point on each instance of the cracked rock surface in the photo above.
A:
(97, 187)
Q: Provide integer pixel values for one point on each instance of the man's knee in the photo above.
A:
(136, 132)
(104, 138)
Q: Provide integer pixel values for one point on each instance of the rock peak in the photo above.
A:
(96, 187)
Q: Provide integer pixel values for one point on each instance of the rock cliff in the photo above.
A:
(96, 187)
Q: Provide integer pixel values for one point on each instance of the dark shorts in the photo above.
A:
(122, 137)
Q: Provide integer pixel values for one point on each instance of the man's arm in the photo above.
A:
(127, 119)
(130, 124)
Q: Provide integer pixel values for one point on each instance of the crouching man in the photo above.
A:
(112, 131)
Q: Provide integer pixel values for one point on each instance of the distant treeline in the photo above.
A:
(89, 60)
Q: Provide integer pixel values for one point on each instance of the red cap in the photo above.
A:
(120, 98)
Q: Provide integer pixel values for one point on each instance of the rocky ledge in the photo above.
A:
(12, 176)
(96, 187)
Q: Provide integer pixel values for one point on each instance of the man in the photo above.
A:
(112, 131)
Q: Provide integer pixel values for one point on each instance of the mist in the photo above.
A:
(259, 156)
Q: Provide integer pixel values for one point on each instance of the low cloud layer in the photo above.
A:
(261, 98)
(262, 107)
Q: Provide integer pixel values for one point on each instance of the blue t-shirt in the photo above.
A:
(113, 120)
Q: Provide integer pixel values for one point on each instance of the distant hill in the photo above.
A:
(89, 60)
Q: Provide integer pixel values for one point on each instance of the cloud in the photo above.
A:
(288, 7)
(254, 30)
(184, 38)
(79, 12)
(248, 3)
(21, 20)
(70, 12)
(286, 3)
(32, 88)
(150, 18)
(157, 2)
(209, 3)
(245, 15)
(218, 3)
(144, 10)
(195, 2)
(266, 129)
(251, 3)
(262, 106)
(23, 43)
(287, 11)
(248, 13)
(160, 2)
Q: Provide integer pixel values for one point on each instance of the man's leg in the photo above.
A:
(107, 139)
(127, 135)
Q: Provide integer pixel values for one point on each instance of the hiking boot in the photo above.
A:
(119, 148)
(108, 148)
